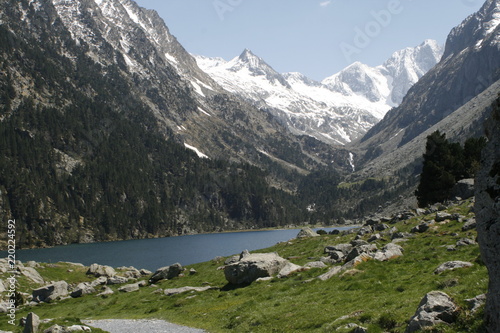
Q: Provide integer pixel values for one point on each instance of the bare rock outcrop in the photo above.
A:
(51, 292)
(166, 273)
(488, 216)
(435, 308)
(250, 267)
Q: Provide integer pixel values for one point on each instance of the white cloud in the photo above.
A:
(325, 3)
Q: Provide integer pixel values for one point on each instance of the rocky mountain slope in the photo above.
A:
(339, 109)
(455, 97)
(469, 66)
(98, 105)
(164, 78)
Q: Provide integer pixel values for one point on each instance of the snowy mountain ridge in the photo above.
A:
(337, 110)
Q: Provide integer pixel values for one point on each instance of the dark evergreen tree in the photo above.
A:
(444, 164)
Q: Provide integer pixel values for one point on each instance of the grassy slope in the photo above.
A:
(381, 296)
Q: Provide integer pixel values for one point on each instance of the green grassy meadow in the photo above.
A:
(381, 296)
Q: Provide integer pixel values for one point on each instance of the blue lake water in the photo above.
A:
(155, 253)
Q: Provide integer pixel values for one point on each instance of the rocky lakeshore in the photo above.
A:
(302, 266)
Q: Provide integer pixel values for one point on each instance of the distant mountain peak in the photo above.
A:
(337, 110)
(476, 29)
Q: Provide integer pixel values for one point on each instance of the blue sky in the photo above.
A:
(315, 37)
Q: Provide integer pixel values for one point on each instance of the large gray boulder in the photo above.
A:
(487, 210)
(31, 274)
(464, 189)
(166, 273)
(84, 288)
(129, 288)
(51, 292)
(307, 232)
(435, 308)
(250, 267)
(100, 270)
(388, 252)
(452, 265)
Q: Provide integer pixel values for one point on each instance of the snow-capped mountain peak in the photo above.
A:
(391, 81)
(250, 64)
(337, 110)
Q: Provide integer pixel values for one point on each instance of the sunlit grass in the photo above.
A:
(381, 296)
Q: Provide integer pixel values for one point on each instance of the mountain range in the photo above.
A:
(338, 110)
(112, 130)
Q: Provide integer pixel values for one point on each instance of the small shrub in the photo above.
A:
(387, 321)
(448, 283)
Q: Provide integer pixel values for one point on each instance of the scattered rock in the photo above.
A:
(31, 274)
(175, 291)
(356, 261)
(331, 273)
(289, 269)
(400, 235)
(81, 289)
(451, 265)
(129, 288)
(253, 266)
(32, 323)
(358, 242)
(360, 329)
(307, 232)
(374, 238)
(422, 227)
(145, 272)
(166, 273)
(117, 280)
(380, 227)
(358, 250)
(443, 216)
(337, 256)
(192, 271)
(476, 303)
(343, 248)
(132, 273)
(63, 329)
(99, 281)
(106, 291)
(315, 264)
(469, 225)
(466, 242)
(51, 292)
(100, 270)
(388, 252)
(365, 230)
(78, 328)
(435, 308)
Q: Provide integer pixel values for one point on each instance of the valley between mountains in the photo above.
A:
(112, 130)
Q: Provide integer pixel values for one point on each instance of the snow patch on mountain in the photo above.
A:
(337, 110)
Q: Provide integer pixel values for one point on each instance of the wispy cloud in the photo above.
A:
(325, 3)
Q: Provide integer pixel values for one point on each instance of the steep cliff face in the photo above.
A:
(468, 67)
(488, 217)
